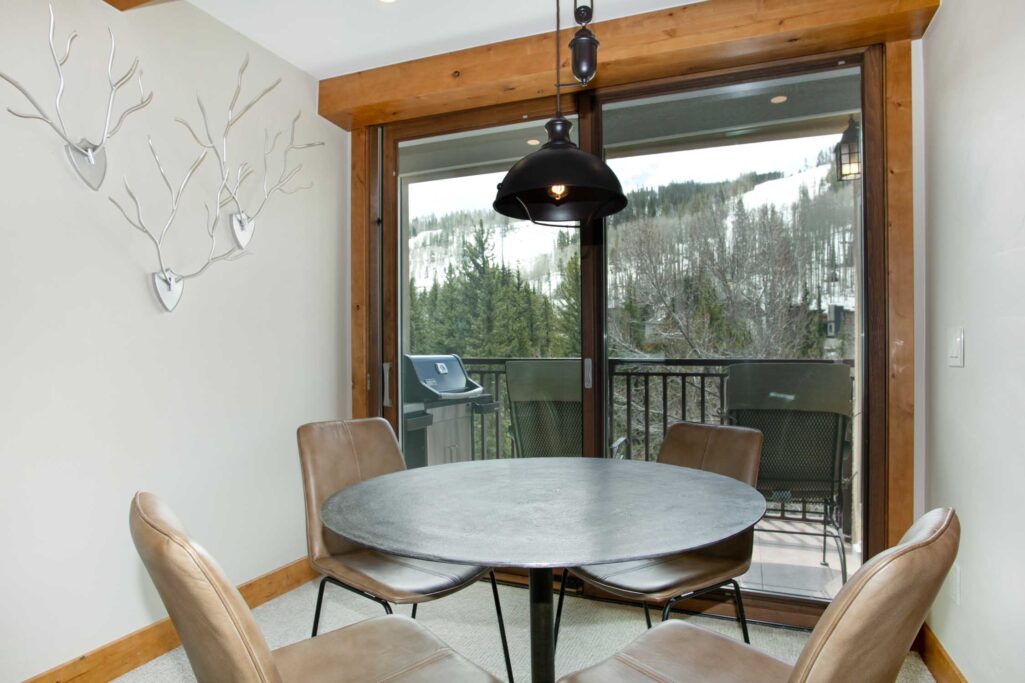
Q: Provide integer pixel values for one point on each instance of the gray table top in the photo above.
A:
(543, 512)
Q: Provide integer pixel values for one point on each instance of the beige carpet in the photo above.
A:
(591, 630)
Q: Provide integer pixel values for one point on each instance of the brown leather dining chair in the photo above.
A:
(864, 635)
(335, 455)
(223, 642)
(730, 451)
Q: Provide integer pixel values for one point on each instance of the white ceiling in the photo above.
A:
(332, 37)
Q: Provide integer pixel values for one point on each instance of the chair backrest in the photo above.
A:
(546, 406)
(867, 630)
(730, 451)
(803, 410)
(215, 625)
(335, 455)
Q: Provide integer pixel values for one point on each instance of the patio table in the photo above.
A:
(541, 514)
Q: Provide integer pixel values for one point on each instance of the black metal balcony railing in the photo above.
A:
(645, 396)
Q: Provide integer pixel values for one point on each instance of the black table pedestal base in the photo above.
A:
(542, 627)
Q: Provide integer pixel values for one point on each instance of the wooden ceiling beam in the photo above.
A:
(683, 40)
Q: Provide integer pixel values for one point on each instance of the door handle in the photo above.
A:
(386, 390)
(588, 374)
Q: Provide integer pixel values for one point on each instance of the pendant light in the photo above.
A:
(848, 153)
(560, 183)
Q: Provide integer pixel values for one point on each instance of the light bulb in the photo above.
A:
(558, 192)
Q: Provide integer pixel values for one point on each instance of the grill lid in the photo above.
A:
(437, 378)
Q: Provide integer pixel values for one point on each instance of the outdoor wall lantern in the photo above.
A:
(848, 153)
(560, 183)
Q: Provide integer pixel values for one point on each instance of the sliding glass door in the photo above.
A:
(489, 327)
(733, 292)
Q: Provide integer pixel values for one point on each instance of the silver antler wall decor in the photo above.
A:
(170, 284)
(88, 158)
(243, 222)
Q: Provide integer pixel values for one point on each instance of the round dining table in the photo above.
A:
(542, 514)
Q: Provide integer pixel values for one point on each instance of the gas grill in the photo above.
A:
(439, 401)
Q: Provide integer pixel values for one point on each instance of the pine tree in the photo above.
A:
(567, 307)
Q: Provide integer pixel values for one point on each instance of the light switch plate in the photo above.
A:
(955, 347)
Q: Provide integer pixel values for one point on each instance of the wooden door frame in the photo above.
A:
(889, 275)
(365, 277)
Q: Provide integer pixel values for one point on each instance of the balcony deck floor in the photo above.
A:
(791, 564)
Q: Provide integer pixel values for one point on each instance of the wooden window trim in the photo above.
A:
(693, 38)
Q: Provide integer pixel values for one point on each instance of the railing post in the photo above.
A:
(629, 417)
(647, 417)
(665, 405)
(702, 399)
(498, 416)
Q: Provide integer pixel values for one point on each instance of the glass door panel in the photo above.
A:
(489, 316)
(734, 296)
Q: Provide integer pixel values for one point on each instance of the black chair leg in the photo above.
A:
(647, 615)
(668, 608)
(413, 615)
(825, 532)
(741, 617)
(558, 611)
(843, 555)
(501, 627)
(320, 602)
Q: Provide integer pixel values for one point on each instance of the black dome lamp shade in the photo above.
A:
(561, 183)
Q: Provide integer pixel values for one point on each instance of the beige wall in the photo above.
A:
(102, 392)
(974, 120)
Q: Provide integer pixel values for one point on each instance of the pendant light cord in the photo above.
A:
(558, 60)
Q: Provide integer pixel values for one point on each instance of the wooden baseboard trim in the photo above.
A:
(135, 649)
(936, 657)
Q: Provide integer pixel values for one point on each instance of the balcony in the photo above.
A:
(646, 396)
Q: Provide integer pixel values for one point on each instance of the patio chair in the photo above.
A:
(546, 407)
(864, 635)
(730, 451)
(803, 410)
(224, 643)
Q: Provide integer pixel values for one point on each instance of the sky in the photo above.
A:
(702, 165)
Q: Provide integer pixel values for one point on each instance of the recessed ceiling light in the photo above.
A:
(533, 142)
(388, 1)
(779, 99)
